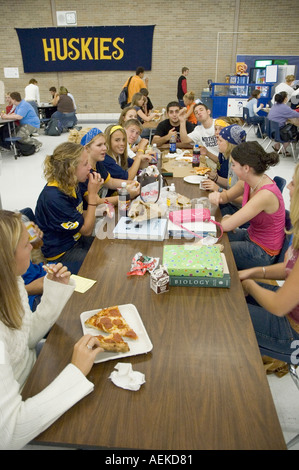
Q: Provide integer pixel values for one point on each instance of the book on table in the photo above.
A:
(152, 229)
(200, 228)
(192, 266)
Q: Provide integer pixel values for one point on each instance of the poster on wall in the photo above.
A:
(80, 49)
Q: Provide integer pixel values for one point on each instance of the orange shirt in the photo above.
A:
(192, 117)
(135, 86)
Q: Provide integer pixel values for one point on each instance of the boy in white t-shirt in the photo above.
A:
(203, 134)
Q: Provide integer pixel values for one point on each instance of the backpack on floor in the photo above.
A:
(54, 127)
(25, 149)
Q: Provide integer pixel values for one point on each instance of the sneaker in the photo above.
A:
(38, 147)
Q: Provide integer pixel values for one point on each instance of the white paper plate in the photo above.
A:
(137, 346)
(193, 179)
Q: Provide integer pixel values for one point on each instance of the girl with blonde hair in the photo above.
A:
(59, 210)
(20, 332)
(117, 162)
(137, 103)
(94, 141)
(274, 310)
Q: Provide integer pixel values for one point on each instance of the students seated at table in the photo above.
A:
(32, 94)
(262, 206)
(281, 113)
(137, 103)
(127, 113)
(59, 210)
(117, 162)
(253, 109)
(54, 94)
(189, 103)
(4, 131)
(94, 142)
(203, 134)
(274, 310)
(29, 121)
(135, 144)
(20, 332)
(65, 109)
(170, 126)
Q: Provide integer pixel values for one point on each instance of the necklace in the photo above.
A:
(253, 189)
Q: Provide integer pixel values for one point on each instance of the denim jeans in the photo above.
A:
(74, 257)
(68, 120)
(247, 254)
(274, 334)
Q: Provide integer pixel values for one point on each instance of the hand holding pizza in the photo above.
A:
(85, 351)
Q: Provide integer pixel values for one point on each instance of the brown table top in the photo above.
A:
(205, 388)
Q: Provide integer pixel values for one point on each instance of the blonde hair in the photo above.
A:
(294, 210)
(62, 165)
(137, 97)
(109, 131)
(290, 78)
(76, 136)
(11, 308)
(190, 95)
(123, 113)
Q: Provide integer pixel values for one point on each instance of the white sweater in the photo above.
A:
(21, 421)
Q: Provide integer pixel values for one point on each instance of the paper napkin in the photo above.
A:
(125, 377)
(82, 283)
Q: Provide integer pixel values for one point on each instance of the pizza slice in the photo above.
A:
(110, 320)
(113, 343)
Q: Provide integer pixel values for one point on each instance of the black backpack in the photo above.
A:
(54, 127)
(25, 149)
(123, 96)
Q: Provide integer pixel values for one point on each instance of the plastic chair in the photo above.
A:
(280, 182)
(249, 122)
(12, 141)
(275, 133)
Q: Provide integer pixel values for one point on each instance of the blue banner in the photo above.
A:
(80, 49)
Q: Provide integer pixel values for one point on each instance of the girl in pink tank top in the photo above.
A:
(262, 206)
(274, 310)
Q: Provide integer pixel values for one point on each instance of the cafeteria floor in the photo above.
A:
(22, 180)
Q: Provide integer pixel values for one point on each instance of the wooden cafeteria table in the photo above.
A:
(205, 388)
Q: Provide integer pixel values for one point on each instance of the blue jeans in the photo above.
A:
(274, 334)
(68, 120)
(74, 257)
(247, 254)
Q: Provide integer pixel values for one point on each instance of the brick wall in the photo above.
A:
(187, 33)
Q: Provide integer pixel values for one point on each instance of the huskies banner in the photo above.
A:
(86, 48)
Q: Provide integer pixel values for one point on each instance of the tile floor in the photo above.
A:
(22, 180)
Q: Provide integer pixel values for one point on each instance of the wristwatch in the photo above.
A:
(220, 190)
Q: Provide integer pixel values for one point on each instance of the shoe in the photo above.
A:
(35, 134)
(38, 147)
(275, 149)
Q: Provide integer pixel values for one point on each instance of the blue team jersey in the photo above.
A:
(60, 217)
(115, 170)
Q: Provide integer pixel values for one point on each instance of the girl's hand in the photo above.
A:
(215, 198)
(142, 144)
(244, 274)
(85, 351)
(95, 183)
(209, 185)
(133, 189)
(57, 272)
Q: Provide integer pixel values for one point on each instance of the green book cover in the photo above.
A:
(203, 281)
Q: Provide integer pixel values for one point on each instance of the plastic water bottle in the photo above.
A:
(123, 200)
(157, 155)
(172, 144)
(196, 156)
(171, 199)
